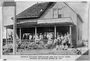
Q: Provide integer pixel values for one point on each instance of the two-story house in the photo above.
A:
(57, 18)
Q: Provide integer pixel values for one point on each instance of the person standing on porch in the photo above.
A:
(41, 36)
(62, 39)
(68, 37)
(30, 37)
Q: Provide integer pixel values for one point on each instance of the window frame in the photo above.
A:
(57, 13)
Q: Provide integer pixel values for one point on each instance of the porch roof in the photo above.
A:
(44, 22)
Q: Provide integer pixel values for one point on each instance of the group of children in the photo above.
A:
(61, 41)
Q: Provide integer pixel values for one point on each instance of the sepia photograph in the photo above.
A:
(45, 28)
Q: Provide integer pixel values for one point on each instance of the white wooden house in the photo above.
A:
(54, 17)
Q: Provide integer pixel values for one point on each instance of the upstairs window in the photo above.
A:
(57, 13)
(60, 13)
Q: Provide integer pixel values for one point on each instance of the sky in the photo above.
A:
(80, 8)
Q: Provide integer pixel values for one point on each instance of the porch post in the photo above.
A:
(20, 35)
(70, 32)
(35, 33)
(55, 31)
(6, 36)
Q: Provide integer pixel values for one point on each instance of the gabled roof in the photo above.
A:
(75, 12)
(34, 11)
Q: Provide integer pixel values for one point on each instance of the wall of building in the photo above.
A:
(74, 35)
(79, 31)
(66, 11)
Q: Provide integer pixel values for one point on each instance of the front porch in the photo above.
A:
(43, 35)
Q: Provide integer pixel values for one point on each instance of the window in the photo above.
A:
(57, 13)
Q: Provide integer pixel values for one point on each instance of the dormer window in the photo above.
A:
(57, 13)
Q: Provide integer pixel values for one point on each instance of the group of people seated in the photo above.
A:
(49, 41)
(62, 41)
